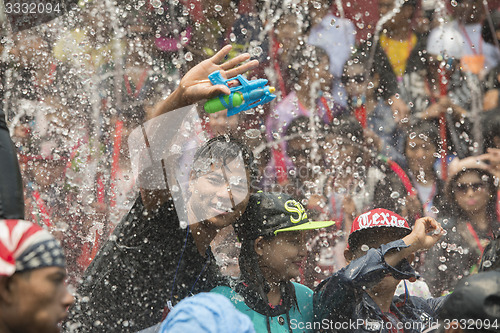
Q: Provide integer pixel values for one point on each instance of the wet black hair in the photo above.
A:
(224, 149)
(491, 209)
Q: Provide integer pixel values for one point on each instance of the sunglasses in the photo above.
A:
(463, 188)
(359, 78)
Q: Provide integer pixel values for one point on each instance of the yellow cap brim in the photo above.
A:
(307, 226)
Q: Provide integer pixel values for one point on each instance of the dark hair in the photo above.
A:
(370, 237)
(299, 125)
(307, 57)
(488, 35)
(221, 150)
(252, 275)
(456, 210)
(410, 3)
(491, 128)
(490, 259)
(422, 129)
(347, 127)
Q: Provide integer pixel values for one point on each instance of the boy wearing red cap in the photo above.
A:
(360, 297)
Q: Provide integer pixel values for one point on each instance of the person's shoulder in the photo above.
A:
(301, 290)
(231, 294)
(430, 306)
(224, 290)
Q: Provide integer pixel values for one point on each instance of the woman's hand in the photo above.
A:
(195, 85)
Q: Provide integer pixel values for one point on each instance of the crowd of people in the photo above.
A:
(154, 200)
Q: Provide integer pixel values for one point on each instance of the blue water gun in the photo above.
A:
(247, 95)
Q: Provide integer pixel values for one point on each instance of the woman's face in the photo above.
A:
(220, 196)
(420, 155)
(281, 257)
(355, 81)
(471, 192)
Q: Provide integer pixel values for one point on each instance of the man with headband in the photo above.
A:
(33, 294)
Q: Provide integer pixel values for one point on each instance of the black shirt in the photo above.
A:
(127, 286)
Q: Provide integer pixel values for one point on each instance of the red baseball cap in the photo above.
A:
(377, 218)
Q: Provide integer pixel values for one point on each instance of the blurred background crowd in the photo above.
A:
(386, 103)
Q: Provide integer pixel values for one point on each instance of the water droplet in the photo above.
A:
(256, 51)
(252, 133)
(317, 269)
(276, 136)
(316, 169)
(395, 195)
(487, 263)
(188, 56)
(371, 85)
(454, 3)
(364, 247)
(235, 180)
(434, 210)
(174, 188)
(155, 3)
(442, 267)
(442, 259)
(176, 149)
(218, 8)
(183, 224)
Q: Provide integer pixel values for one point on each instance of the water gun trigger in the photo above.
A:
(250, 94)
(216, 78)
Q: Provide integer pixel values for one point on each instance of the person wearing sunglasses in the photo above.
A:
(471, 221)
